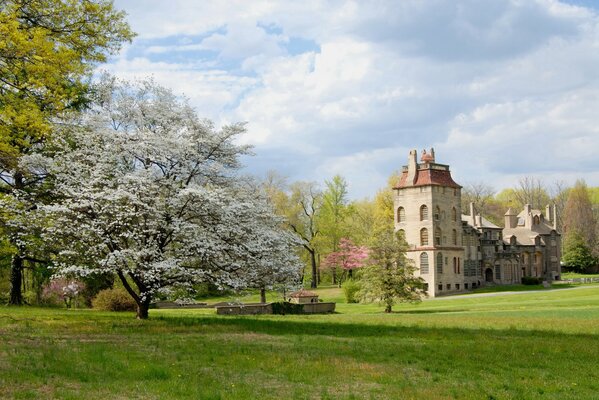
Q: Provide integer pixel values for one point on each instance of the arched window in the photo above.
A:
(536, 220)
(424, 237)
(423, 213)
(424, 263)
(454, 214)
(438, 236)
(401, 214)
(437, 213)
(439, 263)
(454, 237)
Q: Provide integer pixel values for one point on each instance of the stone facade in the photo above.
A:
(454, 252)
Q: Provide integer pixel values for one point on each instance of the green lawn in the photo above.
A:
(541, 345)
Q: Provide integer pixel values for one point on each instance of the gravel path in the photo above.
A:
(462, 296)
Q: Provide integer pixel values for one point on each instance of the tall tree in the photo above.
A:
(390, 276)
(47, 50)
(579, 218)
(151, 193)
(335, 211)
(303, 209)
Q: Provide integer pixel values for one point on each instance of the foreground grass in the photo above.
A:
(526, 345)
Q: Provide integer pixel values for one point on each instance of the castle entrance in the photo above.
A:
(488, 275)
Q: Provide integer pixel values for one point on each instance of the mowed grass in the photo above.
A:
(541, 345)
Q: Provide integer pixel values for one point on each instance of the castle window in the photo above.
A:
(437, 213)
(439, 263)
(401, 214)
(497, 272)
(454, 214)
(424, 263)
(423, 237)
(454, 237)
(440, 287)
(423, 213)
(535, 220)
(438, 236)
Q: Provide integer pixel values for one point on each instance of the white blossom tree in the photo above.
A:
(150, 192)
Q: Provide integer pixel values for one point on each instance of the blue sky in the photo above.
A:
(502, 89)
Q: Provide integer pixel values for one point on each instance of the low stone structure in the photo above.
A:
(303, 296)
(245, 309)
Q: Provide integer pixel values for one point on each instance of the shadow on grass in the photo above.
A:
(283, 327)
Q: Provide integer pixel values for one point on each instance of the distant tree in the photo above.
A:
(333, 216)
(347, 258)
(48, 50)
(559, 197)
(579, 219)
(302, 211)
(577, 254)
(530, 190)
(151, 193)
(389, 278)
(478, 193)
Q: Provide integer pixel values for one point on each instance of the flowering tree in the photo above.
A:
(348, 257)
(151, 193)
(63, 289)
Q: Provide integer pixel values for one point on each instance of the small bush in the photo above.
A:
(350, 290)
(114, 300)
(284, 307)
(531, 280)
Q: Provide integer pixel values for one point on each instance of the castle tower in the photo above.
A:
(428, 212)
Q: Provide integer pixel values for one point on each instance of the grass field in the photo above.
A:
(541, 345)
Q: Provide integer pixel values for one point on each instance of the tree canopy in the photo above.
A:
(148, 191)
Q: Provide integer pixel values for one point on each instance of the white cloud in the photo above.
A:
(502, 88)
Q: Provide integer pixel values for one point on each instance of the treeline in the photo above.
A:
(324, 217)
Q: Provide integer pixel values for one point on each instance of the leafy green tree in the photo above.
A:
(333, 217)
(390, 276)
(48, 49)
(302, 211)
(577, 254)
(579, 219)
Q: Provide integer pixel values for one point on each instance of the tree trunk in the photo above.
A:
(314, 283)
(350, 274)
(16, 280)
(334, 275)
(262, 295)
(16, 266)
(388, 308)
(142, 309)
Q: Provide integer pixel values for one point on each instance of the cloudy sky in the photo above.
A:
(500, 88)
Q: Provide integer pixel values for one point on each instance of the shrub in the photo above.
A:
(350, 289)
(114, 300)
(531, 280)
(284, 307)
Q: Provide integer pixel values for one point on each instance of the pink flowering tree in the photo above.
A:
(348, 257)
(63, 289)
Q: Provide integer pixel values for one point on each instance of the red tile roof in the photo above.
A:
(426, 177)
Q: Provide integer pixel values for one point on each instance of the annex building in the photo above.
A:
(454, 251)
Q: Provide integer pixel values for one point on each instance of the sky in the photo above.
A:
(501, 89)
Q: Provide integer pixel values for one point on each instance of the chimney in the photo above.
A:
(510, 219)
(554, 216)
(472, 214)
(528, 209)
(412, 166)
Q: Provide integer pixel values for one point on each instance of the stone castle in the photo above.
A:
(454, 252)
